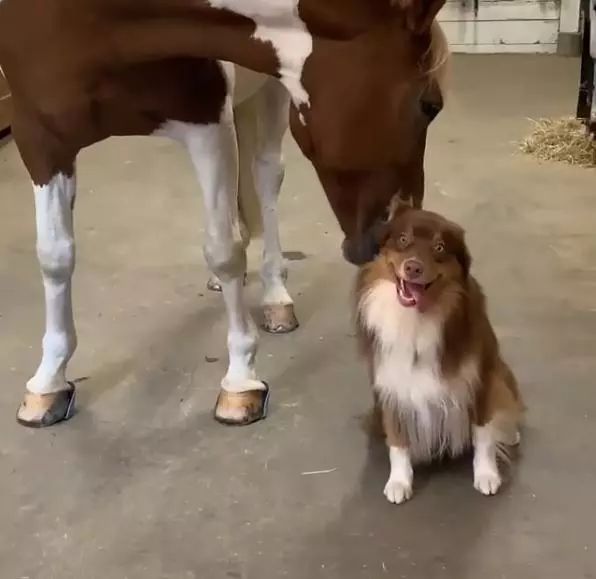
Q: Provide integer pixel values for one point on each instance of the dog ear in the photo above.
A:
(398, 204)
(463, 257)
(419, 13)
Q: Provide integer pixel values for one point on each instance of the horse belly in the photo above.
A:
(247, 84)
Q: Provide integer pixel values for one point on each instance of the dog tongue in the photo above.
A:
(413, 290)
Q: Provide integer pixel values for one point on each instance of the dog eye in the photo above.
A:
(439, 247)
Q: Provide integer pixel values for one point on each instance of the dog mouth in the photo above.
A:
(412, 294)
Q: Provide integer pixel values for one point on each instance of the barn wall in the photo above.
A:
(502, 25)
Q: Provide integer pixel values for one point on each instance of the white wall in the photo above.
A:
(503, 25)
(570, 16)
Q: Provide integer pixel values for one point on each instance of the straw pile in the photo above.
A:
(564, 140)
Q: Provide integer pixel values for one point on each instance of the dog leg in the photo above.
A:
(399, 486)
(499, 411)
(487, 479)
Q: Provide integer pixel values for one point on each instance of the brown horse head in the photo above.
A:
(365, 130)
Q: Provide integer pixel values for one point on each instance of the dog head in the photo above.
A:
(426, 254)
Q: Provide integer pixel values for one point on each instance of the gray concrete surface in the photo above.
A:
(143, 484)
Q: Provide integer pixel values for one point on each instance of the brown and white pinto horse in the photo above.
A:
(362, 76)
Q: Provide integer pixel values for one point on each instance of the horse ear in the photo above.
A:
(419, 13)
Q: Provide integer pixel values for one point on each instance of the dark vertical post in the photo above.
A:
(586, 86)
(592, 121)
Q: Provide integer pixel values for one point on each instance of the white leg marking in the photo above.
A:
(487, 479)
(56, 252)
(399, 486)
(242, 341)
(272, 114)
(214, 154)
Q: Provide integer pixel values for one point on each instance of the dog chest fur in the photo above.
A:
(433, 413)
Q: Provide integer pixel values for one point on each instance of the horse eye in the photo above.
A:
(403, 239)
(431, 109)
(439, 247)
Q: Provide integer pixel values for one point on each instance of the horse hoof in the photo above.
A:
(43, 410)
(214, 285)
(279, 319)
(242, 408)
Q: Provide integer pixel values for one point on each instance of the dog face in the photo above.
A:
(427, 254)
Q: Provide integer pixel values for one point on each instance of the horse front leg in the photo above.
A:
(214, 153)
(49, 398)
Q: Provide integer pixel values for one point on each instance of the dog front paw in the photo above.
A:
(487, 482)
(398, 492)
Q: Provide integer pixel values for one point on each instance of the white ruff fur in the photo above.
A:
(433, 412)
(279, 24)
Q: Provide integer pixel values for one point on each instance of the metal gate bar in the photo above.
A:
(586, 103)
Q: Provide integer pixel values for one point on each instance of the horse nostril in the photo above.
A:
(431, 109)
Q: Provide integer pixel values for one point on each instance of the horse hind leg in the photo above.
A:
(214, 284)
(261, 124)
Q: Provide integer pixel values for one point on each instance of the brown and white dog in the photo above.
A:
(440, 383)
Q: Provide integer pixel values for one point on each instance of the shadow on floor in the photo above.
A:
(430, 536)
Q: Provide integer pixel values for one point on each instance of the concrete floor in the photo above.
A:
(143, 484)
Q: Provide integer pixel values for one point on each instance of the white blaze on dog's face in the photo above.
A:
(427, 254)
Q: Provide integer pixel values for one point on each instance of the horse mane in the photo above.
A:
(438, 56)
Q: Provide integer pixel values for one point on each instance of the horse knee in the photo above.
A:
(271, 164)
(56, 258)
(272, 157)
(226, 260)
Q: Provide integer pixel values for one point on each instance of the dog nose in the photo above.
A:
(413, 269)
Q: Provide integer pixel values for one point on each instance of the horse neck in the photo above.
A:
(263, 35)
(344, 18)
(274, 37)
(189, 28)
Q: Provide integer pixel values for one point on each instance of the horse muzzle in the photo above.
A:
(363, 248)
